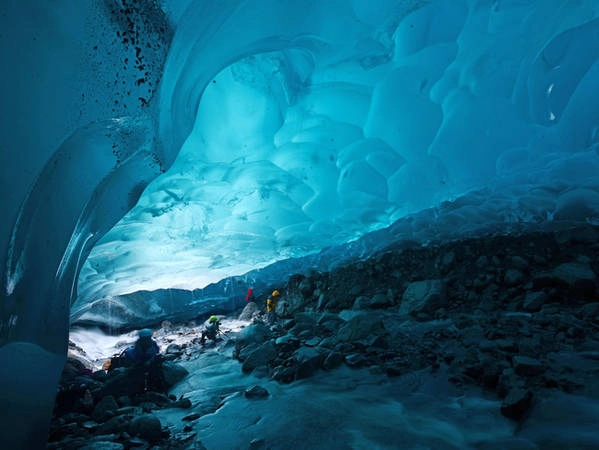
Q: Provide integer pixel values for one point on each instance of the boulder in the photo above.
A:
(306, 287)
(361, 327)
(305, 321)
(520, 263)
(355, 360)
(423, 297)
(249, 312)
(261, 356)
(287, 343)
(308, 361)
(577, 276)
(590, 310)
(173, 373)
(377, 301)
(251, 336)
(284, 374)
(330, 322)
(115, 425)
(105, 409)
(173, 349)
(255, 392)
(526, 366)
(534, 301)
(332, 360)
(517, 403)
(147, 427)
(447, 262)
(513, 277)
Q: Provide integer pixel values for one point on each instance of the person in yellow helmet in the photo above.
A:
(271, 306)
(211, 330)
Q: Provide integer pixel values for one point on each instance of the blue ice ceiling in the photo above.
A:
(259, 131)
(146, 145)
(307, 124)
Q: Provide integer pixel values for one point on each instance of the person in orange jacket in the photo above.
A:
(271, 306)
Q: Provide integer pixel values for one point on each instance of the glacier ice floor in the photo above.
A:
(346, 408)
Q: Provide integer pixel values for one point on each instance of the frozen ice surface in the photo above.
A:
(259, 131)
(348, 408)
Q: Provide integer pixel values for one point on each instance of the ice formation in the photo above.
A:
(296, 135)
(283, 128)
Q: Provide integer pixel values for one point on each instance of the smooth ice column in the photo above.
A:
(93, 179)
(28, 381)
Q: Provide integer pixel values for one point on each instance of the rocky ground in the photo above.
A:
(517, 316)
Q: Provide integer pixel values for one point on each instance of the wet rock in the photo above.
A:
(173, 373)
(590, 310)
(517, 403)
(513, 277)
(332, 360)
(283, 374)
(256, 444)
(361, 326)
(330, 322)
(507, 345)
(507, 381)
(578, 276)
(482, 262)
(103, 445)
(306, 288)
(582, 234)
(355, 360)
(261, 356)
(447, 261)
(348, 314)
(305, 322)
(173, 349)
(256, 392)
(520, 263)
(473, 335)
(115, 425)
(135, 442)
(527, 366)
(99, 375)
(249, 339)
(287, 343)
(250, 311)
(154, 397)
(481, 282)
(313, 342)
(124, 400)
(105, 409)
(147, 427)
(534, 301)
(377, 301)
(182, 403)
(423, 297)
(328, 342)
(191, 417)
(308, 361)
(66, 430)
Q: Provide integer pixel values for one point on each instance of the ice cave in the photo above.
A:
(159, 157)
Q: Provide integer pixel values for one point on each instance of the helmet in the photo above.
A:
(146, 333)
(213, 319)
(275, 293)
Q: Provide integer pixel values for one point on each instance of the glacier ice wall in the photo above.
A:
(77, 149)
(304, 125)
(290, 126)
